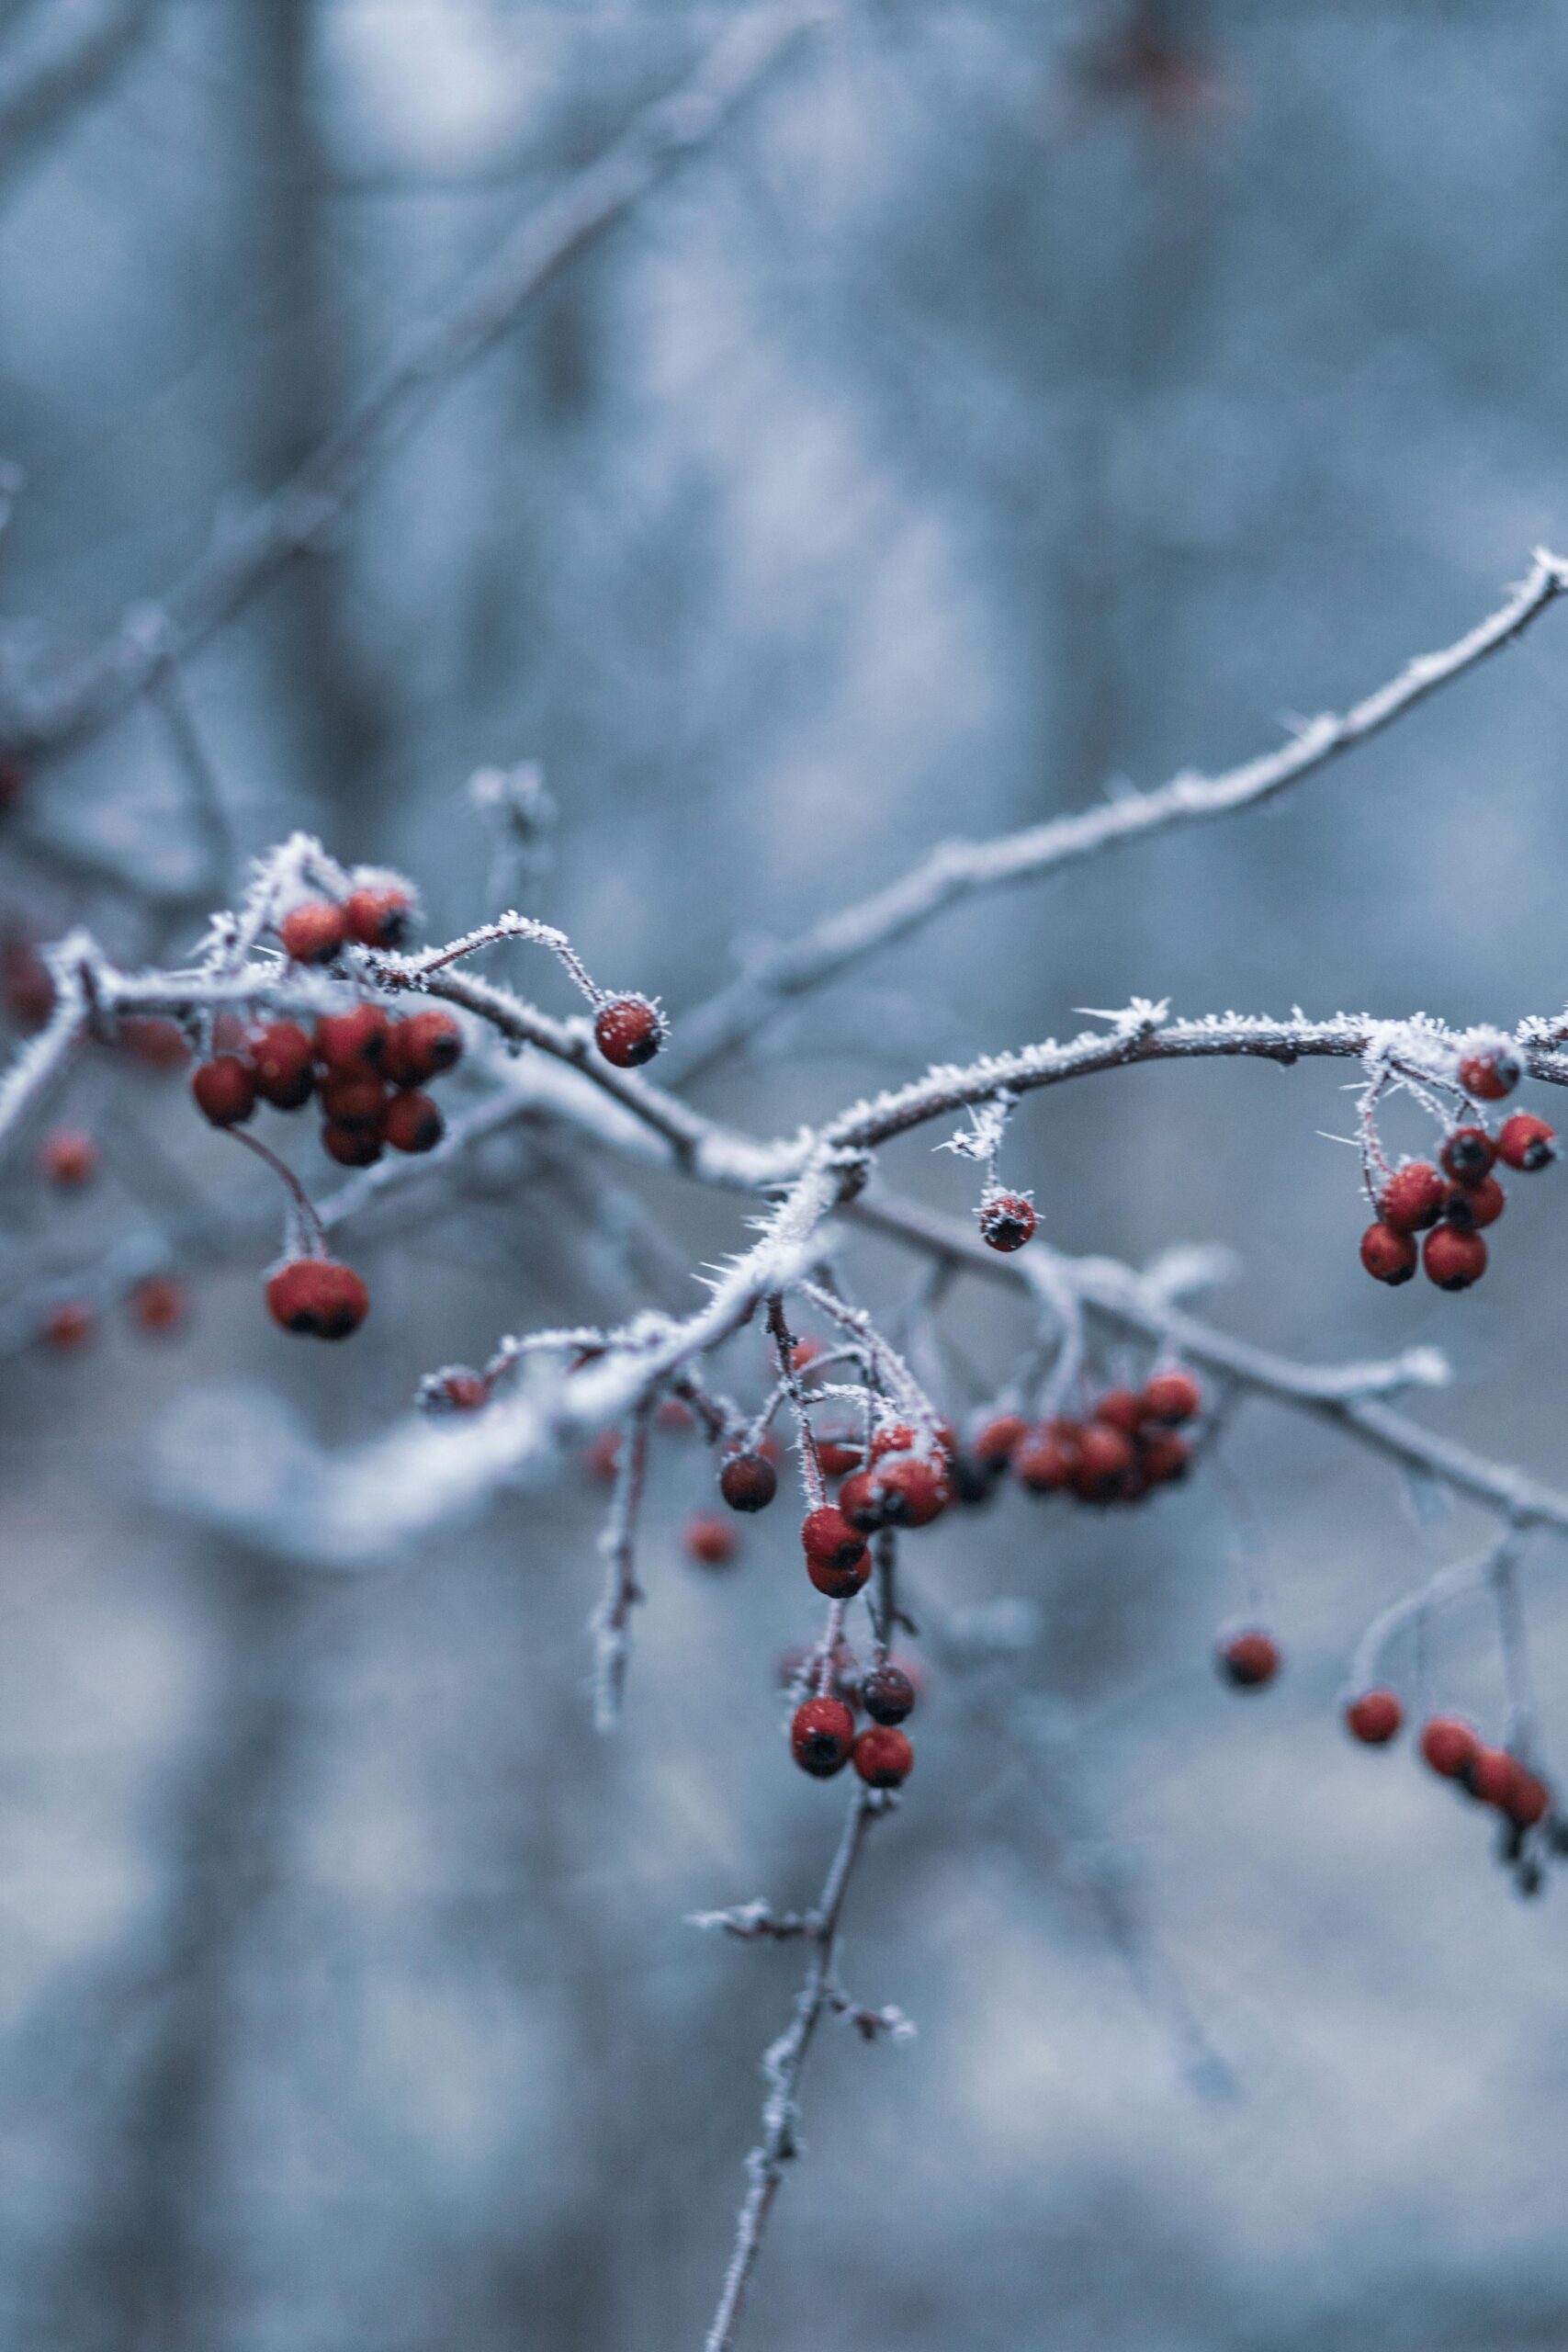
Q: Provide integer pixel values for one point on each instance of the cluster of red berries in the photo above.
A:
(318, 930)
(1494, 1777)
(1451, 1202)
(1127, 1444)
(367, 1070)
(823, 1734)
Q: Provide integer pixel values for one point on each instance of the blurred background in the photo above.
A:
(1010, 401)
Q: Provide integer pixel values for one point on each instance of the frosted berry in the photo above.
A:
(377, 918)
(420, 1048)
(888, 1694)
(836, 1557)
(837, 1456)
(1388, 1257)
(351, 1044)
(1449, 1746)
(710, 1541)
(1468, 1154)
(69, 1325)
(1105, 1456)
(1374, 1718)
(1454, 1259)
(747, 1482)
(1526, 1141)
(1048, 1460)
(69, 1158)
(1489, 1076)
(1413, 1197)
(883, 1757)
(821, 1735)
(1249, 1660)
(413, 1123)
(457, 1390)
(863, 1500)
(1007, 1221)
(893, 1437)
(915, 1490)
(319, 1297)
(1171, 1397)
(313, 932)
(997, 1443)
(282, 1057)
(158, 1304)
(225, 1090)
(628, 1031)
(1124, 1409)
(1471, 1205)
(356, 1146)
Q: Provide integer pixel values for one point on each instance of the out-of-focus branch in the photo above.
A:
(60, 61)
(960, 869)
(87, 693)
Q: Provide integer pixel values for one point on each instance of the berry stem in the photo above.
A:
(313, 1230)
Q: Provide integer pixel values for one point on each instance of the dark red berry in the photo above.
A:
(1453, 1258)
(159, 1303)
(1163, 1457)
(710, 1541)
(69, 1325)
(225, 1090)
(1374, 1718)
(1471, 1205)
(356, 1146)
(421, 1048)
(313, 932)
(413, 1123)
(356, 1102)
(377, 918)
(319, 1297)
(883, 1757)
(1529, 1799)
(1413, 1197)
(628, 1031)
(821, 1735)
(1468, 1154)
(351, 1044)
(864, 1501)
(1249, 1660)
(1488, 1076)
(69, 1158)
(282, 1057)
(1007, 1221)
(1122, 1409)
(837, 1456)
(1048, 1460)
(1388, 1257)
(836, 1557)
(747, 1482)
(155, 1042)
(915, 1490)
(1105, 1456)
(1527, 1142)
(888, 1694)
(995, 1444)
(1449, 1746)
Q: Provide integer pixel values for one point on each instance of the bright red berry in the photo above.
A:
(747, 1482)
(377, 918)
(283, 1057)
(1171, 1397)
(821, 1735)
(1488, 1076)
(225, 1090)
(1374, 1718)
(319, 1297)
(1468, 1154)
(997, 1443)
(915, 1490)
(413, 1123)
(1388, 1257)
(883, 1757)
(353, 1044)
(710, 1541)
(69, 1325)
(888, 1694)
(69, 1158)
(1453, 1258)
(356, 1146)
(893, 1437)
(421, 1048)
(1007, 1221)
(1473, 1205)
(1413, 1197)
(1526, 1141)
(837, 1456)
(628, 1031)
(1449, 1746)
(836, 1557)
(313, 932)
(1105, 1456)
(1124, 1409)
(1249, 1660)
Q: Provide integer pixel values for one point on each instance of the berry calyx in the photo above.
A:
(319, 1297)
(413, 1123)
(1490, 1075)
(1449, 1746)
(282, 1058)
(159, 1303)
(1007, 1221)
(1468, 1154)
(747, 1482)
(836, 1557)
(710, 1541)
(888, 1694)
(313, 932)
(225, 1090)
(821, 1735)
(1171, 1397)
(421, 1048)
(883, 1757)
(69, 1158)
(351, 1044)
(628, 1031)
(377, 918)
(1413, 1197)
(1473, 1205)
(1524, 1141)
(1388, 1256)
(1374, 1718)
(1453, 1258)
(1248, 1660)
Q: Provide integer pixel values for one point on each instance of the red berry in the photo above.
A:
(421, 1048)
(313, 932)
(413, 1123)
(69, 1325)
(710, 1541)
(864, 1501)
(1488, 1076)
(836, 1557)
(358, 1102)
(282, 1057)
(318, 1296)
(225, 1090)
(915, 1491)
(159, 1303)
(1374, 1718)
(837, 1456)
(1048, 1460)
(997, 1443)
(1491, 1775)
(1388, 1257)
(1526, 1141)
(351, 1045)
(1007, 1221)
(1413, 1197)
(1249, 1660)
(154, 1042)
(1172, 1397)
(888, 1694)
(1468, 1154)
(628, 1031)
(671, 1414)
(1124, 1409)
(69, 1157)
(1454, 1259)
(747, 1482)
(1163, 1457)
(457, 1390)
(355, 1147)
(893, 1437)
(821, 1735)
(1448, 1745)
(1471, 1205)
(883, 1757)
(1105, 1456)
(377, 918)
(1528, 1801)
